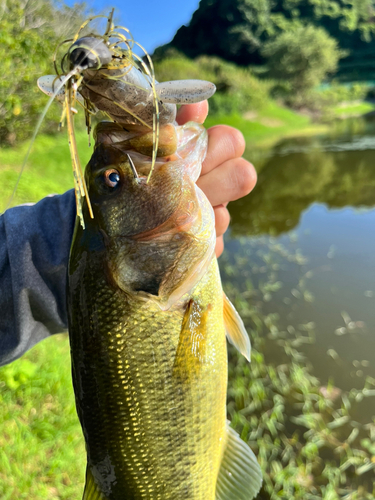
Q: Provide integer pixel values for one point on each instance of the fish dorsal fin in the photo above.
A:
(92, 491)
(236, 332)
(240, 476)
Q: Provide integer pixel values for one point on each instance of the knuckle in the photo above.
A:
(238, 142)
(231, 140)
(222, 220)
(246, 177)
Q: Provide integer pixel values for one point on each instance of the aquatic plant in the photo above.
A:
(312, 438)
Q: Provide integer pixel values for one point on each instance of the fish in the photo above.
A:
(148, 322)
(148, 318)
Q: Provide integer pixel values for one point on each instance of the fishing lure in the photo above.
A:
(102, 72)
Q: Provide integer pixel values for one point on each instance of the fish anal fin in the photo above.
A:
(236, 332)
(92, 491)
(191, 349)
(240, 476)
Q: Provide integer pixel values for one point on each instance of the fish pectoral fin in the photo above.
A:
(240, 476)
(236, 332)
(191, 349)
(92, 491)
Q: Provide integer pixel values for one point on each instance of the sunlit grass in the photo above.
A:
(270, 124)
(353, 109)
(47, 171)
(42, 453)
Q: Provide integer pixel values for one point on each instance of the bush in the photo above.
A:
(322, 101)
(303, 56)
(238, 90)
(30, 32)
(336, 94)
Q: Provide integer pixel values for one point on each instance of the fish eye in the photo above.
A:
(112, 178)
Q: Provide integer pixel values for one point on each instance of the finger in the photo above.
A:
(224, 143)
(192, 112)
(222, 219)
(228, 182)
(219, 246)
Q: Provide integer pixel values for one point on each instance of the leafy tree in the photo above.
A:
(351, 15)
(230, 29)
(238, 90)
(236, 30)
(30, 31)
(303, 56)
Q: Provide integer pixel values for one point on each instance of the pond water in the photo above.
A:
(305, 239)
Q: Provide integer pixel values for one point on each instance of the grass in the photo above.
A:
(42, 453)
(356, 108)
(269, 125)
(47, 171)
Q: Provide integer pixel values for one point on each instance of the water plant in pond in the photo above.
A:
(313, 439)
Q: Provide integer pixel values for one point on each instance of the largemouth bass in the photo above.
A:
(147, 322)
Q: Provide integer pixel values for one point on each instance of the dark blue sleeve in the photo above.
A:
(34, 253)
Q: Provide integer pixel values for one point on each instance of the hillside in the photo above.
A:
(236, 30)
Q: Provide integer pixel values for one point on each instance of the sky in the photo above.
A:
(151, 22)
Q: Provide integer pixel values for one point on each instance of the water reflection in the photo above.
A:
(337, 173)
(315, 197)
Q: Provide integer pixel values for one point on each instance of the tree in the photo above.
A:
(236, 30)
(303, 56)
(30, 32)
(230, 29)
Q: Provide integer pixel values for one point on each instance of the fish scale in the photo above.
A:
(127, 394)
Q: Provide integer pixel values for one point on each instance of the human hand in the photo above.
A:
(225, 176)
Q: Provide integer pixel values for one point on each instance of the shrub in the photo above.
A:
(238, 90)
(30, 32)
(303, 56)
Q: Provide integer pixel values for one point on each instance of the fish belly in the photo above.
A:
(150, 392)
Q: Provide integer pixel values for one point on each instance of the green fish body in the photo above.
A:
(147, 323)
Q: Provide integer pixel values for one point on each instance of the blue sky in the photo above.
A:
(152, 23)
